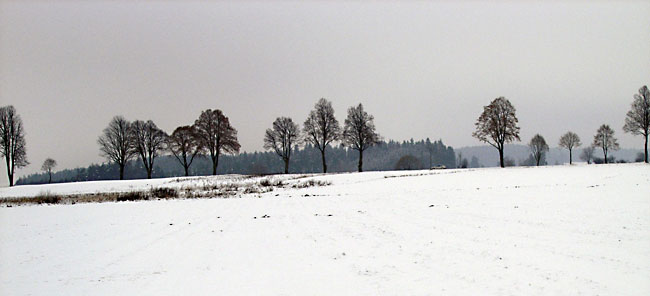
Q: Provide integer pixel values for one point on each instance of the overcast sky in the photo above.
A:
(423, 69)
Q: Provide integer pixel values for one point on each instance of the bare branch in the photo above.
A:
(115, 143)
(321, 127)
(12, 141)
(185, 144)
(637, 121)
(605, 139)
(359, 132)
(217, 135)
(148, 141)
(497, 125)
(282, 138)
(538, 148)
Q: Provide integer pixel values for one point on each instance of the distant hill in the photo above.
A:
(488, 156)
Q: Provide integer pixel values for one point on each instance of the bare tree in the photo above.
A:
(48, 165)
(605, 139)
(13, 146)
(217, 135)
(359, 132)
(115, 143)
(587, 154)
(282, 139)
(148, 141)
(185, 145)
(497, 125)
(569, 141)
(637, 121)
(538, 148)
(321, 127)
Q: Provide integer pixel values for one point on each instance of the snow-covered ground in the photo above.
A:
(123, 186)
(560, 230)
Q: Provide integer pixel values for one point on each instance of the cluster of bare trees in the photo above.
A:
(12, 144)
(637, 122)
(321, 128)
(497, 126)
(211, 133)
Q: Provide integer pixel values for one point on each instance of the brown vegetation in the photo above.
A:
(226, 189)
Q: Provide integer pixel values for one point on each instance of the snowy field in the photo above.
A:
(557, 230)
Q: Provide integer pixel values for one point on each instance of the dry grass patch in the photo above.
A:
(205, 189)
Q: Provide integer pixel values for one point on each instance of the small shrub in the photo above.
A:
(266, 182)
(269, 182)
(132, 196)
(49, 199)
(210, 187)
(251, 189)
(310, 183)
(230, 187)
(44, 197)
(164, 192)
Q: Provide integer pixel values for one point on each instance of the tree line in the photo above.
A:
(497, 125)
(212, 134)
(304, 159)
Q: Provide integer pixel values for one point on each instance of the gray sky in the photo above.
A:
(423, 69)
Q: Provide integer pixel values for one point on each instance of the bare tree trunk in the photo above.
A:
(605, 153)
(646, 149)
(149, 173)
(216, 165)
(50, 181)
(9, 172)
(570, 157)
(286, 166)
(360, 160)
(501, 158)
(121, 172)
(322, 154)
(215, 160)
(187, 170)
